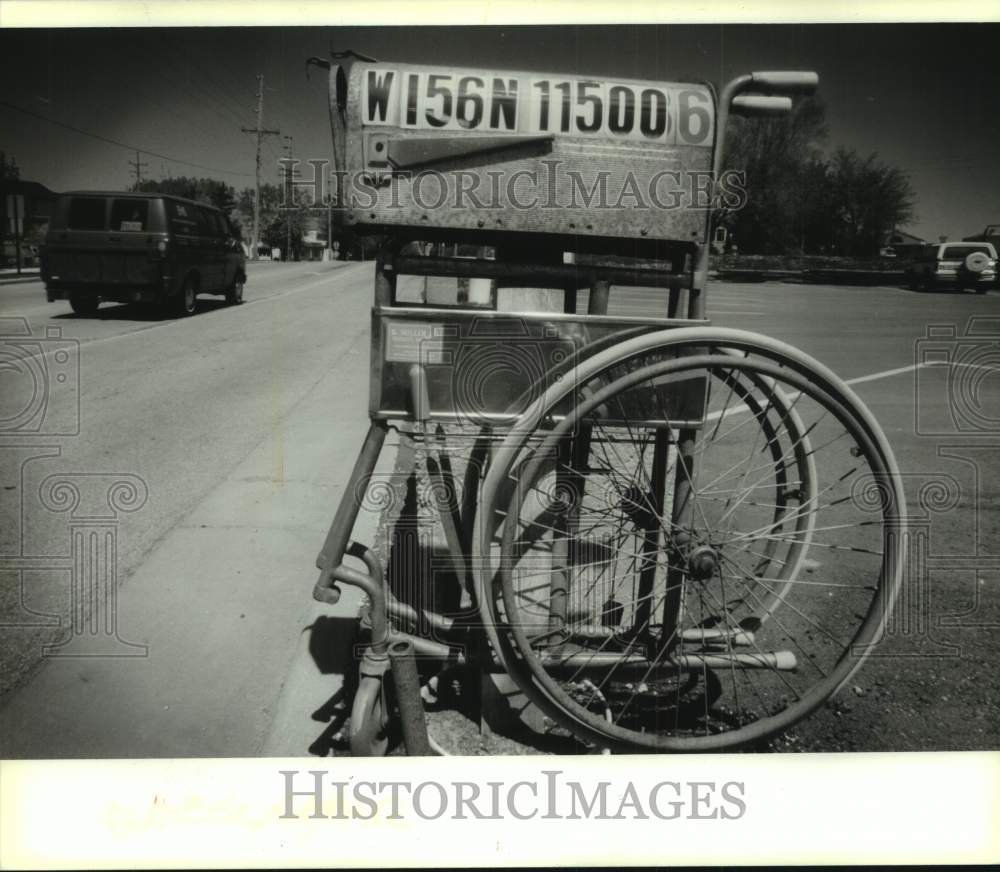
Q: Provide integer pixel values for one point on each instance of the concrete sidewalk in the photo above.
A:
(224, 605)
(12, 278)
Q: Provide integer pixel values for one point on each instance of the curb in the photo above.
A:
(21, 279)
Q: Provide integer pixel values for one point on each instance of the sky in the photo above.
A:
(925, 97)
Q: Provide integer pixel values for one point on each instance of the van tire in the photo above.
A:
(84, 305)
(234, 296)
(187, 300)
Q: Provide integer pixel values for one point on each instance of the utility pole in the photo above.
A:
(260, 133)
(289, 195)
(137, 167)
(329, 228)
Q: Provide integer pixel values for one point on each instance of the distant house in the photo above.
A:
(313, 245)
(899, 243)
(313, 239)
(990, 234)
(25, 210)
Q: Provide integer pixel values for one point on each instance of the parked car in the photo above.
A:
(957, 265)
(132, 247)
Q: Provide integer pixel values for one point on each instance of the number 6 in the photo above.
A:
(689, 112)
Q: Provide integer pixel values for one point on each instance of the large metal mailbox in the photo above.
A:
(489, 150)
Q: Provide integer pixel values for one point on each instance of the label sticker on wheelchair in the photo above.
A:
(415, 342)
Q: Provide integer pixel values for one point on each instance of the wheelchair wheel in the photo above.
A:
(642, 538)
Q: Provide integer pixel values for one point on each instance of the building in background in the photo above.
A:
(314, 241)
(25, 210)
(990, 234)
(899, 243)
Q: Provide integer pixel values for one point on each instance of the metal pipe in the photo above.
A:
(652, 527)
(404, 612)
(580, 662)
(682, 513)
(332, 552)
(373, 587)
(429, 649)
(696, 294)
(443, 491)
(419, 395)
(600, 292)
(411, 706)
(561, 275)
(385, 279)
(780, 661)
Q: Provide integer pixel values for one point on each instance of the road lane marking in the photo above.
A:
(792, 396)
(915, 366)
(176, 321)
(885, 374)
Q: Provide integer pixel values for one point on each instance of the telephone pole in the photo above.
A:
(260, 133)
(137, 167)
(289, 196)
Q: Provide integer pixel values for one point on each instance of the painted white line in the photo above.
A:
(87, 343)
(915, 366)
(886, 374)
(792, 396)
(991, 367)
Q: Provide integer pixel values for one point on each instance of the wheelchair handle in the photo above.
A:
(761, 104)
(783, 82)
(326, 590)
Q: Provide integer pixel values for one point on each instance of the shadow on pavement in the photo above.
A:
(145, 312)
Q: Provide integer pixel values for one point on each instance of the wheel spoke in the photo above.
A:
(694, 622)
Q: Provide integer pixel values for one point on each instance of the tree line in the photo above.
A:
(275, 223)
(799, 199)
(802, 201)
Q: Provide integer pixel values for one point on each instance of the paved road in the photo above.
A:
(243, 423)
(236, 421)
(934, 685)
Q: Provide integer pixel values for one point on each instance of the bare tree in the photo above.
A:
(799, 201)
(779, 157)
(869, 199)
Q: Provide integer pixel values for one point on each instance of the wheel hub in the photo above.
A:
(703, 562)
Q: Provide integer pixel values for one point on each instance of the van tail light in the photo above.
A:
(159, 250)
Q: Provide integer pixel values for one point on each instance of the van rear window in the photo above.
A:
(129, 215)
(86, 213)
(218, 224)
(183, 217)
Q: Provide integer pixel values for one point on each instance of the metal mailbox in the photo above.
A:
(489, 150)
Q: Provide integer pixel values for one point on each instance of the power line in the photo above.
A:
(200, 83)
(227, 96)
(108, 139)
(288, 106)
(166, 63)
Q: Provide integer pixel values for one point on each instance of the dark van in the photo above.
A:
(148, 248)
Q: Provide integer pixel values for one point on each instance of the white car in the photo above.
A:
(957, 265)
